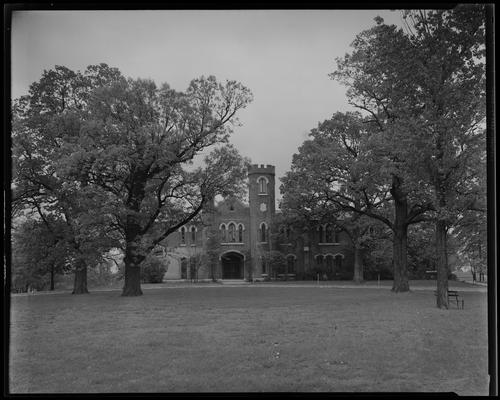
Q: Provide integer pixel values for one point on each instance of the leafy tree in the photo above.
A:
(449, 49)
(135, 145)
(276, 262)
(424, 91)
(38, 253)
(341, 174)
(45, 122)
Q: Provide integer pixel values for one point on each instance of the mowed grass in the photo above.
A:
(248, 338)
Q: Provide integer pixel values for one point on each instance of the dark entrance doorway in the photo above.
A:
(232, 266)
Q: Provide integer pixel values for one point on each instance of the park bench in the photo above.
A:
(454, 293)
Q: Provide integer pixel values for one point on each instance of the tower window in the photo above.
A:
(193, 234)
(263, 232)
(262, 185)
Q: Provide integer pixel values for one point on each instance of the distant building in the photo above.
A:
(246, 233)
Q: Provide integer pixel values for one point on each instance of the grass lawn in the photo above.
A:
(248, 338)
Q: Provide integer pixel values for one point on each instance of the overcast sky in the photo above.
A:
(284, 57)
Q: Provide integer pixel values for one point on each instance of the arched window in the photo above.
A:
(240, 233)
(184, 265)
(263, 232)
(320, 234)
(193, 235)
(329, 234)
(338, 262)
(290, 263)
(337, 235)
(288, 233)
(263, 263)
(232, 232)
(183, 235)
(330, 270)
(223, 233)
(319, 260)
(262, 185)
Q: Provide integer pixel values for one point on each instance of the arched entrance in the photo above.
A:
(232, 265)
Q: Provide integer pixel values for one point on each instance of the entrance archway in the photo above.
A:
(232, 265)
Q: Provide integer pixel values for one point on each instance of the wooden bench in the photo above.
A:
(454, 293)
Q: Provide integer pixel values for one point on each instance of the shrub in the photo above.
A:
(152, 270)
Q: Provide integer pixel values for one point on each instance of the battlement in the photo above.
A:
(261, 169)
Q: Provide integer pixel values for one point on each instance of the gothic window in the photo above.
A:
(232, 233)
(329, 234)
(263, 260)
(338, 262)
(290, 262)
(330, 270)
(263, 232)
(319, 260)
(193, 235)
(184, 268)
(329, 262)
(240, 233)
(223, 232)
(288, 233)
(336, 237)
(183, 235)
(193, 272)
(320, 234)
(262, 185)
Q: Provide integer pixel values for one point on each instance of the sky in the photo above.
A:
(283, 56)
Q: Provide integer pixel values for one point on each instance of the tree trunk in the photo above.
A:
(441, 267)
(52, 273)
(400, 240)
(132, 285)
(132, 260)
(358, 265)
(80, 283)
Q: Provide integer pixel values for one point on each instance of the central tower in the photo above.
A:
(261, 199)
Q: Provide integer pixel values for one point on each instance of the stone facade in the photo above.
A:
(246, 232)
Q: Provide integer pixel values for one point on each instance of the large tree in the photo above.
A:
(44, 123)
(137, 144)
(424, 91)
(342, 173)
(449, 107)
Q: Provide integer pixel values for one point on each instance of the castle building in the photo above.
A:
(244, 233)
